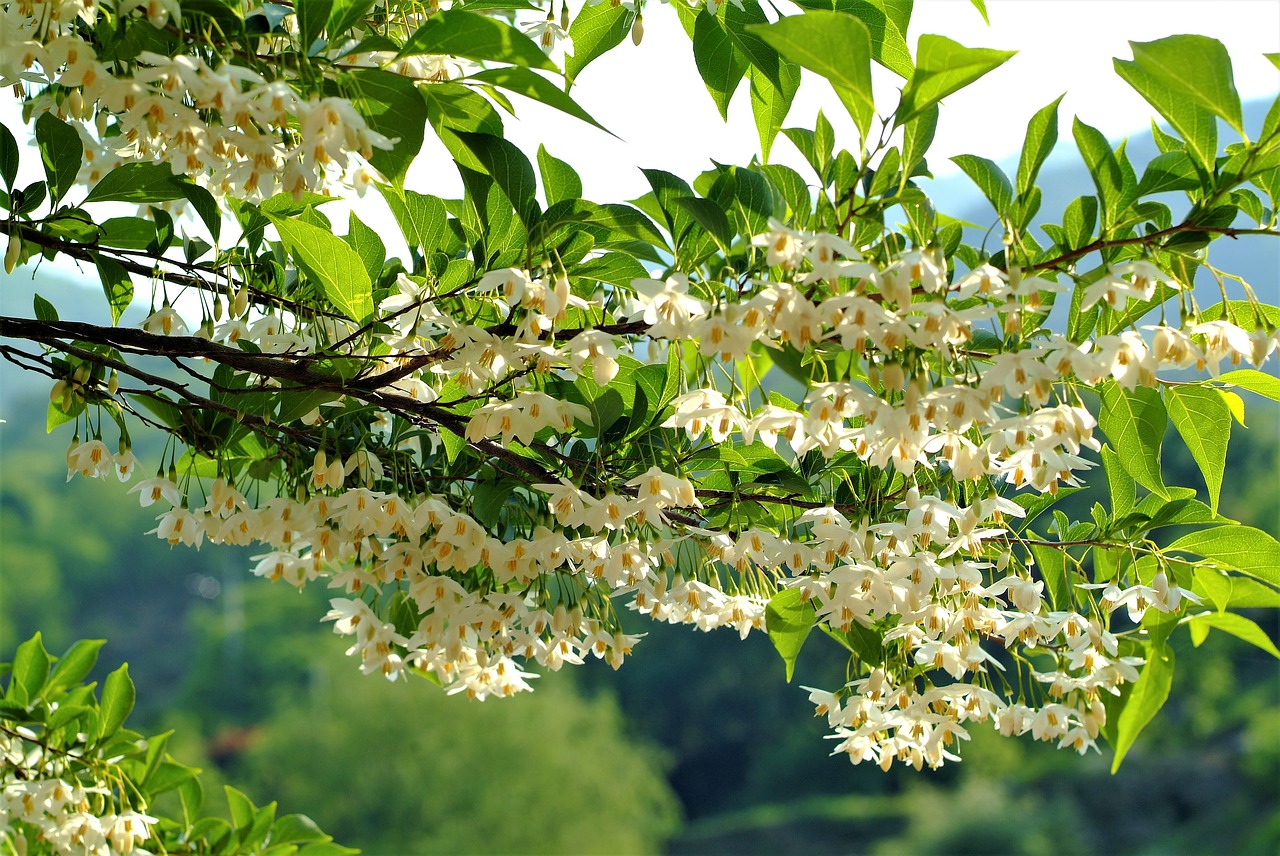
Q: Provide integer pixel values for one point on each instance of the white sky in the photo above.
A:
(652, 97)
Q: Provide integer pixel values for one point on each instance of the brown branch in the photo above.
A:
(1104, 244)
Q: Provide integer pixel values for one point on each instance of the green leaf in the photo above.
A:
(887, 21)
(327, 260)
(1121, 485)
(118, 696)
(242, 808)
(1254, 381)
(769, 104)
(1193, 122)
(1198, 69)
(617, 269)
(1134, 422)
(759, 55)
(1042, 135)
(8, 157)
(1168, 171)
(981, 6)
(1052, 563)
(1148, 696)
(789, 620)
(61, 152)
(73, 666)
(313, 15)
(944, 67)
(393, 106)
(30, 670)
(345, 14)
(721, 65)
(1104, 167)
(990, 179)
(595, 31)
(1244, 548)
(116, 284)
(296, 829)
(137, 183)
(709, 216)
(917, 136)
(1236, 625)
(460, 33)
(1228, 590)
(367, 244)
(1203, 420)
(559, 179)
(510, 170)
(422, 219)
(530, 84)
(834, 45)
(44, 310)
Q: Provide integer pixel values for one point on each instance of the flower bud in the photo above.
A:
(113, 383)
(564, 15)
(240, 305)
(637, 30)
(12, 253)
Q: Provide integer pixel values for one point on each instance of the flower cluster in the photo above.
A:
(42, 799)
(935, 574)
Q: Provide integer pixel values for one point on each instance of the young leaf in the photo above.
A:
(1203, 420)
(118, 696)
(478, 37)
(789, 620)
(1134, 422)
(1148, 696)
(1042, 135)
(837, 47)
(944, 67)
(327, 260)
